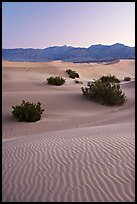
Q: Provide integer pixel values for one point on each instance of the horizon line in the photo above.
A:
(68, 46)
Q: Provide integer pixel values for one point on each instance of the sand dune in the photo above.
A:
(86, 71)
(79, 150)
(85, 164)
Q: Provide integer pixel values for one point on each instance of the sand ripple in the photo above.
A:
(82, 164)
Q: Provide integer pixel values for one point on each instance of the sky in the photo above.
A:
(77, 24)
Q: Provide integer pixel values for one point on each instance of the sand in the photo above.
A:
(80, 150)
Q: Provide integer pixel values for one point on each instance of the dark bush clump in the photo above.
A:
(72, 74)
(127, 79)
(68, 71)
(104, 92)
(28, 112)
(110, 78)
(58, 81)
(76, 75)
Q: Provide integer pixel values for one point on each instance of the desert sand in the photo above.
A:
(80, 150)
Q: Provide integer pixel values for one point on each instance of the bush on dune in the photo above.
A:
(76, 75)
(68, 71)
(127, 78)
(72, 74)
(110, 78)
(58, 81)
(104, 91)
(28, 112)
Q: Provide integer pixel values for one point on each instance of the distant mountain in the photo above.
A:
(94, 53)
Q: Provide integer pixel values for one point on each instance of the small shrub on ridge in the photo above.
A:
(72, 74)
(127, 79)
(58, 81)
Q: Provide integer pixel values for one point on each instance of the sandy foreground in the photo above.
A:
(79, 150)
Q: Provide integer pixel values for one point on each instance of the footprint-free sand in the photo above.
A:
(80, 150)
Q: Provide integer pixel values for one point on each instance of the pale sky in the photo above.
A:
(78, 24)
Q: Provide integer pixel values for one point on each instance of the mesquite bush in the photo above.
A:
(58, 80)
(106, 93)
(28, 112)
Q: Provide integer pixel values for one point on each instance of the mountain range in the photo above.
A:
(94, 53)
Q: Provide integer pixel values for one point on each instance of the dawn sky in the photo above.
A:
(78, 24)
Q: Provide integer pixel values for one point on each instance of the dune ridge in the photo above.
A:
(80, 150)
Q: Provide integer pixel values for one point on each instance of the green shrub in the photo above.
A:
(68, 71)
(110, 78)
(127, 79)
(76, 75)
(28, 112)
(72, 74)
(58, 81)
(104, 92)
